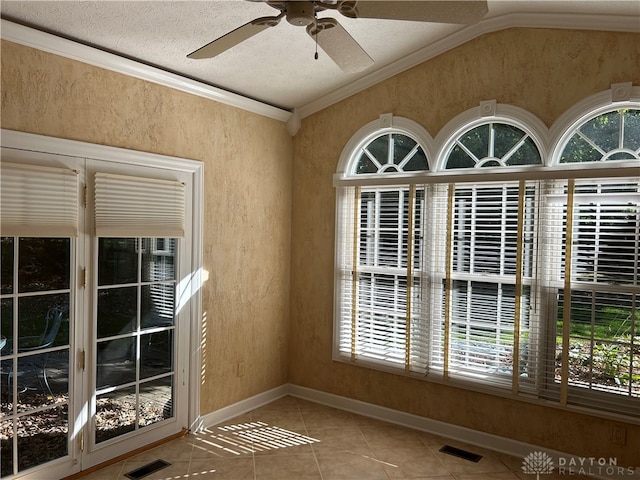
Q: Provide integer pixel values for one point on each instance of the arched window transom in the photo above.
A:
(613, 135)
(493, 145)
(391, 153)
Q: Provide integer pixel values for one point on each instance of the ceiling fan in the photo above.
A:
(336, 42)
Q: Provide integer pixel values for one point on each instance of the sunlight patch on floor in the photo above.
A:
(250, 437)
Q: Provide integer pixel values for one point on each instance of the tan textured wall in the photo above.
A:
(542, 71)
(247, 185)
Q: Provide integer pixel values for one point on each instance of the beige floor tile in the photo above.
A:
(550, 476)
(222, 469)
(486, 476)
(294, 446)
(107, 473)
(410, 462)
(326, 417)
(290, 420)
(382, 436)
(430, 477)
(431, 440)
(511, 462)
(337, 439)
(219, 443)
(280, 467)
(350, 466)
(175, 451)
(272, 439)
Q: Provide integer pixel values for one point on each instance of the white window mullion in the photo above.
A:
(520, 236)
(566, 315)
(492, 141)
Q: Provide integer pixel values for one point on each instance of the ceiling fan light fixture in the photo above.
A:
(300, 13)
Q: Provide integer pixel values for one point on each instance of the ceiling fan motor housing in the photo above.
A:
(300, 13)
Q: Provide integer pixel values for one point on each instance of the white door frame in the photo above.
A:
(188, 288)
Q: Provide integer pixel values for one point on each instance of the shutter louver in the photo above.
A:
(39, 201)
(138, 207)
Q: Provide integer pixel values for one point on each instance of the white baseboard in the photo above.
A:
(454, 432)
(241, 407)
(447, 430)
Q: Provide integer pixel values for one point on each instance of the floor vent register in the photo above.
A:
(458, 452)
(148, 469)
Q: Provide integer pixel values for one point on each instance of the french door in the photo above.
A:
(95, 325)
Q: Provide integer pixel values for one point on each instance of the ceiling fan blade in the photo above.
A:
(339, 45)
(235, 37)
(421, 11)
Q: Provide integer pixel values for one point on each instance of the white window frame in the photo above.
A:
(549, 142)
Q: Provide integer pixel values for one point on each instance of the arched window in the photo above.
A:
(592, 229)
(380, 244)
(493, 144)
(495, 257)
(613, 135)
(488, 273)
(392, 152)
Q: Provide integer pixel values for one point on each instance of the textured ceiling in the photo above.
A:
(276, 66)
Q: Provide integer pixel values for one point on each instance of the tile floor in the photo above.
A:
(293, 439)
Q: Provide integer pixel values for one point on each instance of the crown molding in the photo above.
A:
(47, 42)
(614, 23)
(67, 48)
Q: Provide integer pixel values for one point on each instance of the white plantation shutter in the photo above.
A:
(127, 206)
(38, 201)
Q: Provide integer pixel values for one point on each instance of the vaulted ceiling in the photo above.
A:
(277, 66)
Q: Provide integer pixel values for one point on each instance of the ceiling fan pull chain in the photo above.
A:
(316, 35)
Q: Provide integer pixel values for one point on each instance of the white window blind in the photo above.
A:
(127, 206)
(381, 272)
(593, 353)
(38, 201)
(487, 283)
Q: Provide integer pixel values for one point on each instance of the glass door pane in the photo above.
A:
(135, 351)
(35, 328)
